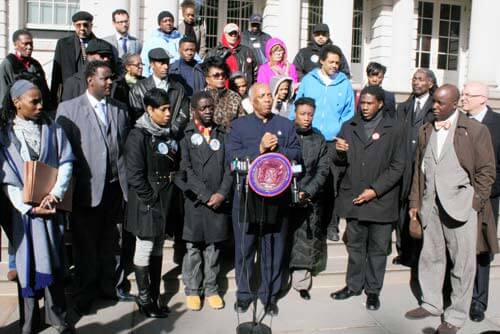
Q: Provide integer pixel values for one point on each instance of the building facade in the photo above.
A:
(448, 36)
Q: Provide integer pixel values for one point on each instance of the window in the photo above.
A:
(449, 37)
(357, 31)
(209, 13)
(54, 13)
(314, 15)
(239, 11)
(424, 34)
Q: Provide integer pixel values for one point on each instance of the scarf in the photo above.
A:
(231, 61)
(130, 79)
(37, 240)
(30, 132)
(145, 122)
(369, 126)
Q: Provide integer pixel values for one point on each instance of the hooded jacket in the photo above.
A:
(284, 68)
(307, 59)
(283, 108)
(334, 102)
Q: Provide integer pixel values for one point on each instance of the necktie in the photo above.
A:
(84, 52)
(124, 45)
(442, 125)
(103, 113)
(415, 114)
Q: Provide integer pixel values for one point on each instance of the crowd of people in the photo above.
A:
(144, 136)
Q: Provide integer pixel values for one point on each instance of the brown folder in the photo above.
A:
(39, 179)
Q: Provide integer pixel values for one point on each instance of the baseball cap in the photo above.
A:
(231, 27)
(256, 18)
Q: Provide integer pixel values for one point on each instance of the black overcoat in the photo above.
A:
(206, 173)
(154, 204)
(378, 163)
(308, 223)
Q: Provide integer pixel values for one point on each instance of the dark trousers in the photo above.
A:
(330, 189)
(55, 308)
(271, 261)
(95, 246)
(482, 280)
(367, 246)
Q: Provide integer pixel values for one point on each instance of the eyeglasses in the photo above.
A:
(218, 75)
(233, 33)
(122, 22)
(137, 65)
(468, 96)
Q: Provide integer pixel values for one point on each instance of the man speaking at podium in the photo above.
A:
(251, 136)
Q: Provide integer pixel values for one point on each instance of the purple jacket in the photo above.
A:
(285, 68)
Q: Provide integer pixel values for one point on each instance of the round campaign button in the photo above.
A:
(314, 58)
(196, 139)
(249, 60)
(215, 144)
(376, 136)
(163, 148)
(256, 45)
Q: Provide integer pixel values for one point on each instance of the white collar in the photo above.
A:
(480, 116)
(422, 99)
(93, 101)
(119, 36)
(159, 81)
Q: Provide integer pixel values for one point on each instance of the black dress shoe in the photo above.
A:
(304, 294)
(344, 294)
(476, 313)
(372, 302)
(272, 309)
(241, 306)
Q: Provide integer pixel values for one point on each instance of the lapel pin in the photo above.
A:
(376, 136)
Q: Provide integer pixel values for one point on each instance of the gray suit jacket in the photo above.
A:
(78, 119)
(134, 45)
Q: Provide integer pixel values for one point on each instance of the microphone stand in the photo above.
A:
(255, 326)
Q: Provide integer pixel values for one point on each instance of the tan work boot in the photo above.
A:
(215, 302)
(193, 303)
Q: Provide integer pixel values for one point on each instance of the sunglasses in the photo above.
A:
(219, 75)
(233, 33)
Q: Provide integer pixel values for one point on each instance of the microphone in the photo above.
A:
(296, 170)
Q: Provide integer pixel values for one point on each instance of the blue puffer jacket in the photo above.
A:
(334, 103)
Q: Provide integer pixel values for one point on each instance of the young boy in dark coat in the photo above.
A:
(369, 148)
(207, 211)
(308, 256)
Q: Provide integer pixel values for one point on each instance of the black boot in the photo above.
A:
(146, 304)
(155, 263)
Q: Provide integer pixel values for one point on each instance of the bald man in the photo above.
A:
(251, 136)
(475, 104)
(454, 172)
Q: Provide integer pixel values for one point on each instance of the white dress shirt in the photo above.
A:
(442, 134)
(422, 99)
(480, 116)
(100, 108)
(160, 83)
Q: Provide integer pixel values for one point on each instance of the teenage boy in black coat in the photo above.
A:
(207, 211)
(369, 148)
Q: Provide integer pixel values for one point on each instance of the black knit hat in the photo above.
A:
(164, 14)
(321, 27)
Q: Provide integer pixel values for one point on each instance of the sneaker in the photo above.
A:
(193, 303)
(215, 302)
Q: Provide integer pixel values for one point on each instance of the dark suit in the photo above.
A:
(409, 248)
(244, 139)
(481, 283)
(67, 61)
(100, 191)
